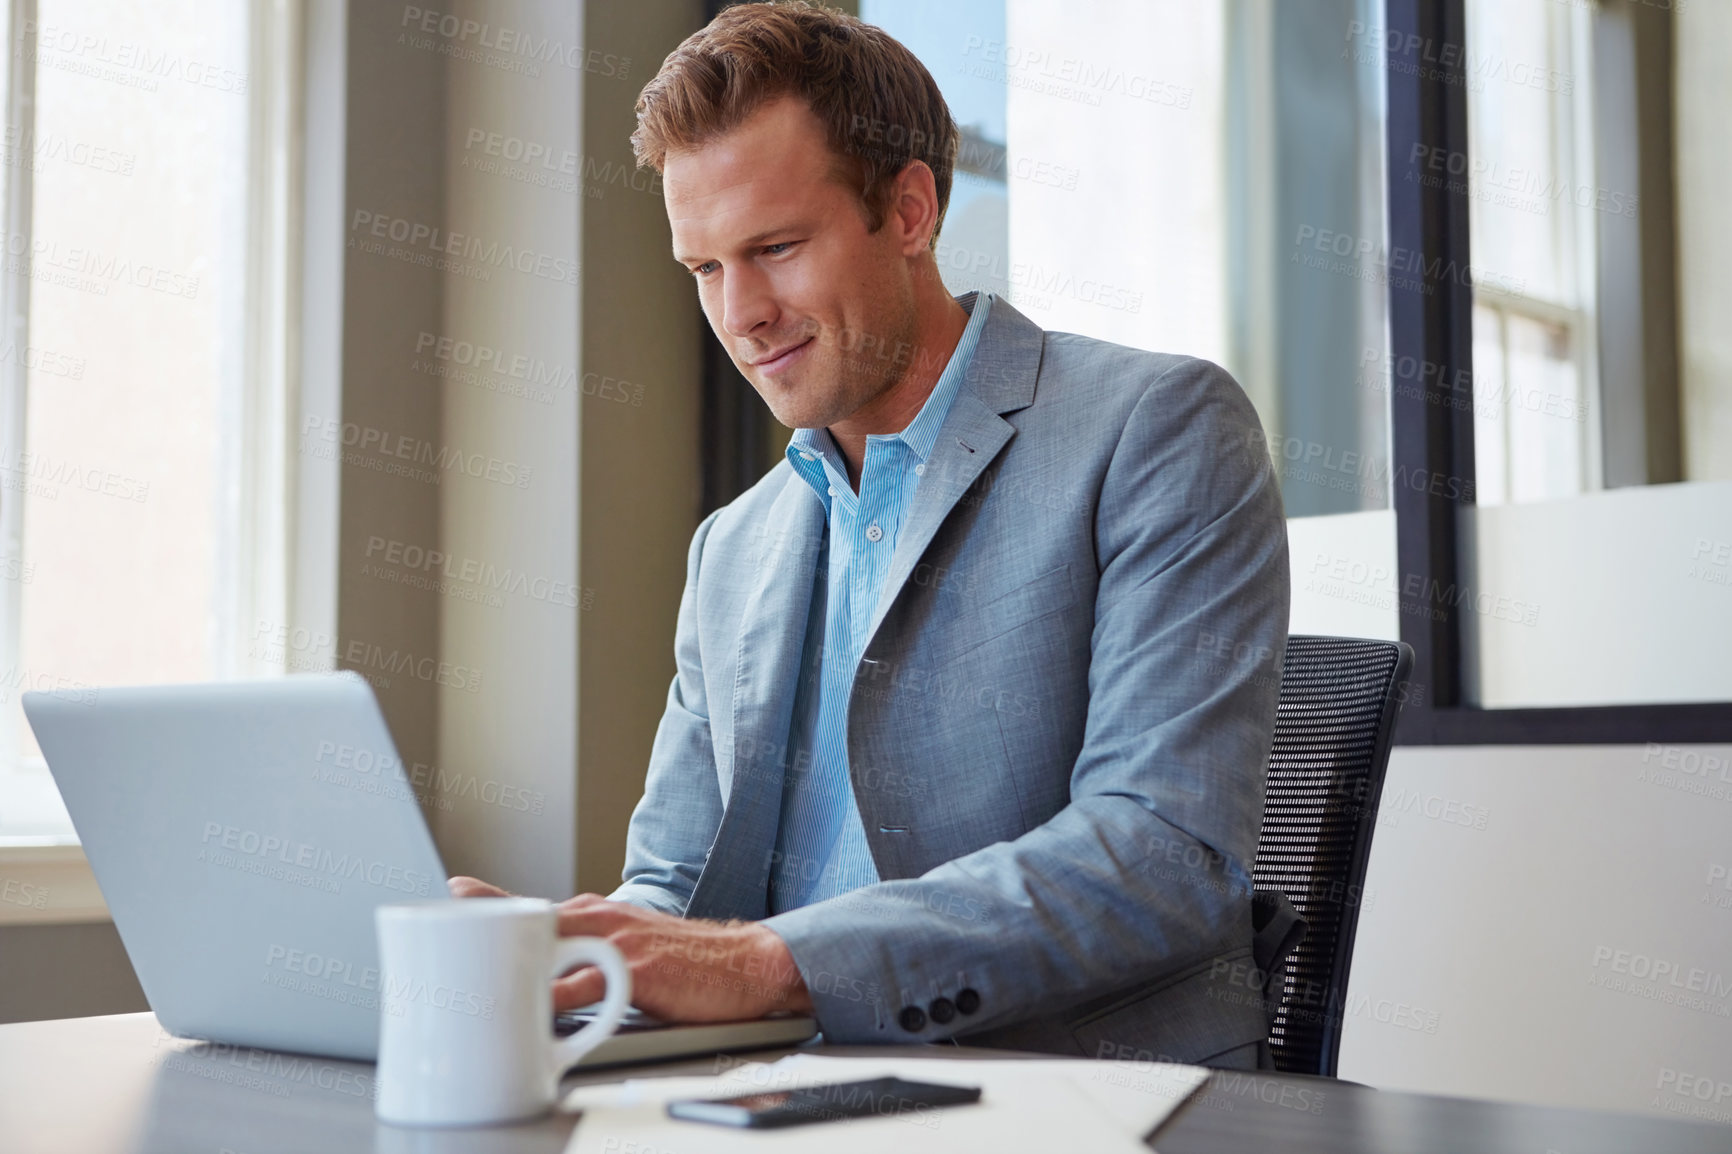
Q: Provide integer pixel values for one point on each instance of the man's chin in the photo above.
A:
(804, 396)
(793, 410)
(798, 419)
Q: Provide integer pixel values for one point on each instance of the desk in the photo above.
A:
(119, 1084)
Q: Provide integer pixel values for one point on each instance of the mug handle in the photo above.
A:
(600, 953)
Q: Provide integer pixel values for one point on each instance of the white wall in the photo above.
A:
(1520, 899)
(1344, 575)
(511, 598)
(1617, 597)
(1552, 925)
(1141, 110)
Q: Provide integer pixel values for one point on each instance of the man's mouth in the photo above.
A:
(776, 362)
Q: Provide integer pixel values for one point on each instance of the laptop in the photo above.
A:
(243, 833)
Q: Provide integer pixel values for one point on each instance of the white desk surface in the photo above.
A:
(121, 1084)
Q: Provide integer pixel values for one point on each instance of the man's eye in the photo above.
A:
(705, 269)
(778, 249)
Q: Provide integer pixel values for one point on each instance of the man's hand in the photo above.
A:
(681, 970)
(462, 887)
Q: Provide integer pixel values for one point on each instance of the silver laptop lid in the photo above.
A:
(242, 834)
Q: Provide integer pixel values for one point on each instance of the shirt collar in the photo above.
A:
(808, 447)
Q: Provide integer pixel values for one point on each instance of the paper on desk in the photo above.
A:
(1025, 1105)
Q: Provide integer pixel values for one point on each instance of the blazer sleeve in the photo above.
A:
(676, 820)
(1147, 871)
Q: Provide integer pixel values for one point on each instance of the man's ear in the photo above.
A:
(913, 208)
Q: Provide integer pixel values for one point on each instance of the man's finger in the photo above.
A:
(467, 887)
(585, 987)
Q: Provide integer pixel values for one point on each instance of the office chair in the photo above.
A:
(1333, 726)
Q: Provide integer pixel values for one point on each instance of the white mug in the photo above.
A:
(466, 1009)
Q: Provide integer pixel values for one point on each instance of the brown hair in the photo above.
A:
(880, 108)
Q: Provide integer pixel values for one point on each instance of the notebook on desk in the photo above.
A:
(641, 1038)
(243, 833)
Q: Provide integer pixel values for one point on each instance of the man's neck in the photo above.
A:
(939, 325)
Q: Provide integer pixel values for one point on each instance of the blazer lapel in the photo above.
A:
(971, 437)
(767, 663)
(1001, 379)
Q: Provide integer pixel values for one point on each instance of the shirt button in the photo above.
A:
(920, 470)
(808, 456)
(832, 490)
(873, 532)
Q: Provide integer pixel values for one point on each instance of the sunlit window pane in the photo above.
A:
(138, 162)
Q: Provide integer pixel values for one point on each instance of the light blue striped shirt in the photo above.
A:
(821, 848)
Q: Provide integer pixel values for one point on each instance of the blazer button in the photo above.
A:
(942, 1010)
(913, 1019)
(968, 1001)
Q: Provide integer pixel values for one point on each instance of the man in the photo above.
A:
(952, 749)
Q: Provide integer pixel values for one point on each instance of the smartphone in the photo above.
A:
(881, 1097)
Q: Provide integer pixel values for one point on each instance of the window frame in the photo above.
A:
(17, 190)
(276, 507)
(1427, 102)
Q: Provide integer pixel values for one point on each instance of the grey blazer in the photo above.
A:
(1058, 733)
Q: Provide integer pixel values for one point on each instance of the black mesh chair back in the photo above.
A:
(1339, 700)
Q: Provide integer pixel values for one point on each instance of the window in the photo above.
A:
(1468, 259)
(974, 246)
(1587, 184)
(1574, 371)
(1202, 178)
(1600, 249)
(142, 379)
(1532, 200)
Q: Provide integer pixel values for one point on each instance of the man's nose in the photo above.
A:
(747, 303)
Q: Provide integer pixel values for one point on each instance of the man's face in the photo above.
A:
(817, 312)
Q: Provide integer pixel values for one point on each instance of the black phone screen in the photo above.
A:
(881, 1097)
